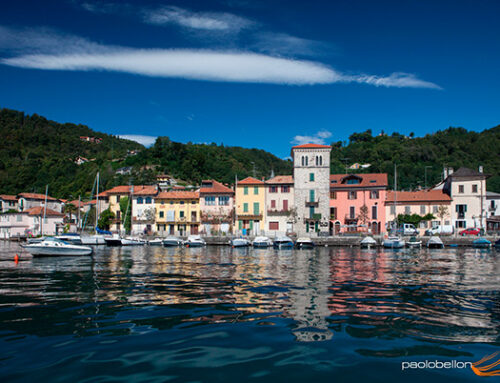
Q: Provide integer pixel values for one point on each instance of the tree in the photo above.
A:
(126, 213)
(105, 219)
(363, 214)
(442, 212)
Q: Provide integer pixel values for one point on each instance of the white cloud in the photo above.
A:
(211, 21)
(48, 50)
(318, 138)
(144, 140)
(288, 45)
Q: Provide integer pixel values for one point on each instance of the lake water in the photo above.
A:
(218, 314)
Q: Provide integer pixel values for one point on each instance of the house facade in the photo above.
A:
(311, 175)
(216, 208)
(423, 202)
(29, 200)
(177, 213)
(280, 212)
(143, 209)
(7, 202)
(250, 206)
(31, 222)
(114, 197)
(357, 203)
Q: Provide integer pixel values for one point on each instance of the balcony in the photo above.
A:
(312, 203)
(274, 212)
(461, 215)
(249, 217)
(315, 217)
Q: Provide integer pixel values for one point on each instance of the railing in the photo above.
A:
(277, 212)
(461, 215)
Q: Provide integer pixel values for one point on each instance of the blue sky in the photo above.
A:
(265, 74)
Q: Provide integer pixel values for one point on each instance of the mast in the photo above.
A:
(97, 205)
(79, 208)
(396, 194)
(44, 209)
(234, 204)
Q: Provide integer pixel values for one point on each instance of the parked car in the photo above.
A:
(440, 230)
(470, 231)
(407, 229)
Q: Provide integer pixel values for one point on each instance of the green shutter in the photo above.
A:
(311, 176)
(256, 208)
(256, 190)
(311, 195)
(251, 225)
(307, 227)
(245, 190)
(240, 224)
(245, 207)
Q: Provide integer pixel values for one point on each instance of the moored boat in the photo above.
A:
(262, 242)
(195, 241)
(114, 240)
(304, 243)
(156, 242)
(435, 243)
(97, 239)
(72, 238)
(56, 247)
(481, 243)
(368, 242)
(133, 241)
(172, 241)
(283, 242)
(240, 242)
(394, 242)
(414, 242)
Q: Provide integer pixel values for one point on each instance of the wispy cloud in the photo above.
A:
(288, 45)
(143, 140)
(318, 138)
(49, 50)
(209, 21)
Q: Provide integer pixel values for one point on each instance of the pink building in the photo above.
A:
(216, 207)
(357, 202)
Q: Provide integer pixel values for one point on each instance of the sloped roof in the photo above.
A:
(217, 188)
(121, 189)
(178, 195)
(8, 197)
(311, 146)
(280, 180)
(418, 196)
(75, 203)
(145, 190)
(367, 180)
(36, 196)
(250, 181)
(466, 172)
(38, 211)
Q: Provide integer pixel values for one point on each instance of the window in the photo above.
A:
(422, 209)
(140, 200)
(210, 200)
(352, 195)
(19, 218)
(311, 211)
(460, 224)
(461, 189)
(320, 160)
(352, 212)
(273, 204)
(285, 189)
(245, 207)
(311, 176)
(374, 194)
(256, 208)
(353, 181)
(181, 214)
(162, 214)
(434, 209)
(224, 200)
(407, 209)
(393, 209)
(182, 202)
(311, 195)
(333, 213)
(117, 199)
(193, 202)
(303, 161)
(245, 190)
(333, 195)
(274, 225)
(273, 189)
(285, 205)
(149, 200)
(317, 160)
(422, 225)
(374, 212)
(255, 190)
(307, 161)
(474, 188)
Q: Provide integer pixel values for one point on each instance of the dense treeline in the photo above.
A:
(35, 152)
(452, 147)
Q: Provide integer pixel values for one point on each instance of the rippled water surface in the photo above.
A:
(224, 315)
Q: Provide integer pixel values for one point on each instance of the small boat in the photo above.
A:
(368, 242)
(195, 241)
(114, 240)
(283, 242)
(414, 242)
(133, 241)
(172, 241)
(304, 243)
(156, 242)
(435, 243)
(240, 242)
(73, 238)
(97, 239)
(37, 239)
(262, 242)
(56, 247)
(481, 243)
(394, 242)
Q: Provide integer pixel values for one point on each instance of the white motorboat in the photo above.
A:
(114, 240)
(156, 242)
(240, 242)
(435, 243)
(133, 241)
(414, 243)
(172, 241)
(262, 242)
(304, 243)
(73, 238)
(394, 242)
(56, 247)
(368, 242)
(97, 239)
(195, 241)
(283, 242)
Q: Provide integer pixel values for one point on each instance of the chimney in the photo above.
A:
(445, 173)
(480, 168)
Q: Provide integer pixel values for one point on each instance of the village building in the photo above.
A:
(177, 213)
(143, 209)
(357, 203)
(216, 207)
(493, 212)
(31, 222)
(114, 197)
(422, 203)
(280, 212)
(29, 200)
(311, 174)
(7, 202)
(250, 206)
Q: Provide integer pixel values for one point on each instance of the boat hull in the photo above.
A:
(283, 245)
(394, 244)
(195, 244)
(305, 245)
(167, 243)
(261, 245)
(93, 240)
(46, 251)
(240, 243)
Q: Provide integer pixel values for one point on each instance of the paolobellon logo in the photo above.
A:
(487, 366)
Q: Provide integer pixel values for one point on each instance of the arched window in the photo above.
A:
(303, 162)
(320, 160)
(139, 200)
(148, 200)
(307, 161)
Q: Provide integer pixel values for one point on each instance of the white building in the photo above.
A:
(31, 222)
(143, 209)
(279, 205)
(29, 200)
(7, 202)
(311, 174)
(492, 204)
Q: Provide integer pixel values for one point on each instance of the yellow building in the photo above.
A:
(250, 205)
(177, 213)
(115, 195)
